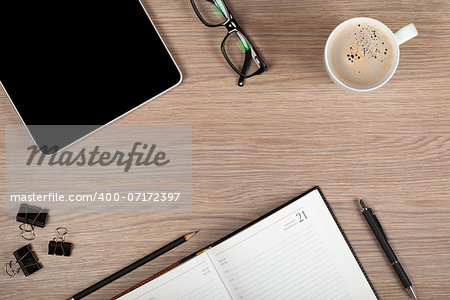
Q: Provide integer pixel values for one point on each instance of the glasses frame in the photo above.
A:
(232, 26)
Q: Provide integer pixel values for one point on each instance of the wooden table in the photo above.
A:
(285, 131)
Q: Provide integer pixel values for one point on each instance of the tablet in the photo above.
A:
(82, 63)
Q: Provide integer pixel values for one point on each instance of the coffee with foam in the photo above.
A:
(362, 54)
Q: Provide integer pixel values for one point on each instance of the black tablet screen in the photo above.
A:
(80, 62)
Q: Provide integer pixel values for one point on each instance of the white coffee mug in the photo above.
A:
(399, 37)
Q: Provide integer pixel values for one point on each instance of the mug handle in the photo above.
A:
(406, 33)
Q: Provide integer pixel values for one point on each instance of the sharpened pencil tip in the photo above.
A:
(190, 235)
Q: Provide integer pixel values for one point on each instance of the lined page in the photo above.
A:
(296, 253)
(193, 280)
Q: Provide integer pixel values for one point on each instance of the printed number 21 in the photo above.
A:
(301, 216)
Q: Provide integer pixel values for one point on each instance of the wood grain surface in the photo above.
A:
(287, 130)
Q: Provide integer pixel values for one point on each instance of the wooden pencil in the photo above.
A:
(133, 266)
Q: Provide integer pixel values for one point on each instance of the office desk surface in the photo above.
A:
(290, 129)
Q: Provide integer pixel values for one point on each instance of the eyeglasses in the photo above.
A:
(237, 49)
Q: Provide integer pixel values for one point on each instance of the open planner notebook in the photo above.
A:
(297, 251)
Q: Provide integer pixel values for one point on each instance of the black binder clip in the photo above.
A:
(27, 261)
(58, 246)
(30, 216)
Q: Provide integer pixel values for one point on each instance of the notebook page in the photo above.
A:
(296, 253)
(193, 280)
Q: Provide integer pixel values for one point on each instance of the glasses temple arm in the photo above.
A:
(245, 66)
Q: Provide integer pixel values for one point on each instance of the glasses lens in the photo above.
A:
(240, 52)
(213, 12)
